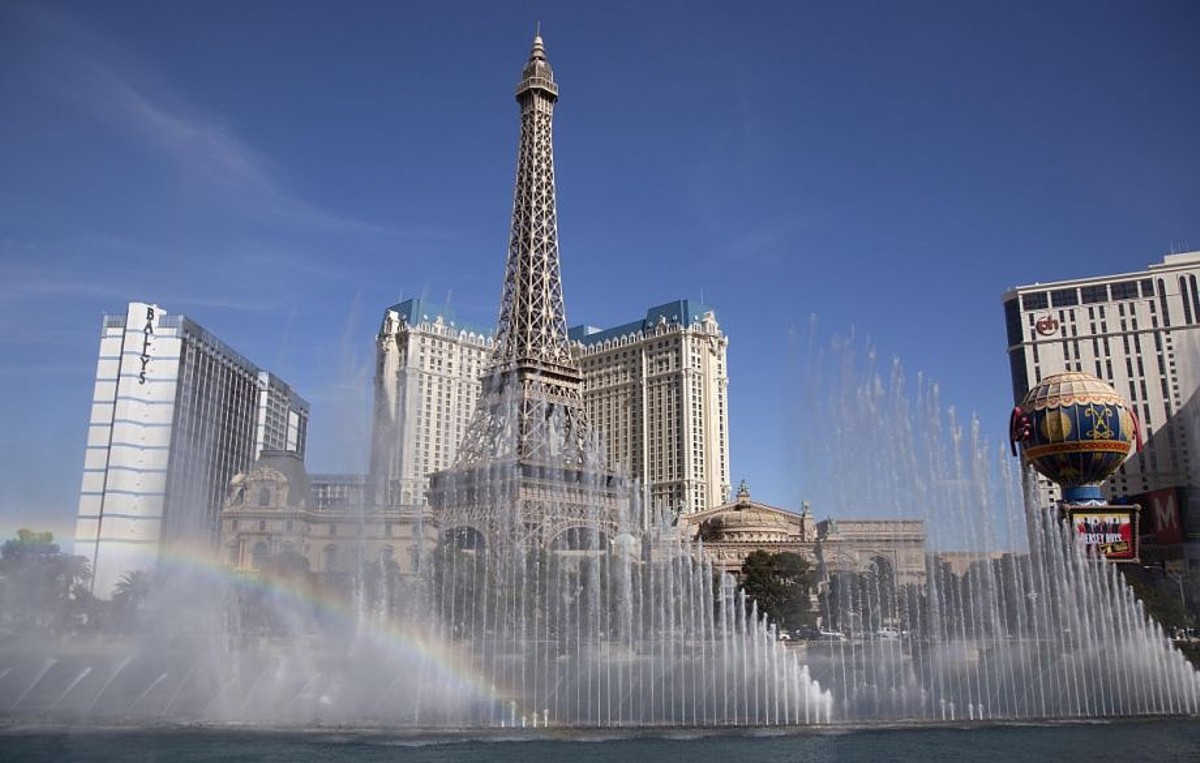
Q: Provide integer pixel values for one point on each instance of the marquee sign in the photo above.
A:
(1110, 532)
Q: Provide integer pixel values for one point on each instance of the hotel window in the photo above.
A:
(1064, 297)
(1035, 301)
(1125, 290)
(258, 558)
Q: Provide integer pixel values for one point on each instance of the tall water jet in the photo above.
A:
(1040, 629)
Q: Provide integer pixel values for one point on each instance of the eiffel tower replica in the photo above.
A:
(530, 471)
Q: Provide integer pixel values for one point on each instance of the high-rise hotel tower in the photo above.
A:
(175, 414)
(427, 381)
(658, 390)
(1139, 332)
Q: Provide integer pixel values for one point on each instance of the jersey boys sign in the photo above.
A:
(1107, 531)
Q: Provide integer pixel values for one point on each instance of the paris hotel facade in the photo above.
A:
(656, 388)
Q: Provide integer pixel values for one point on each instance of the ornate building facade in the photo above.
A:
(731, 531)
(891, 547)
(427, 383)
(657, 389)
(271, 518)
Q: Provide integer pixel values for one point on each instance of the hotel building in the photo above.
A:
(175, 414)
(1139, 332)
(427, 381)
(655, 388)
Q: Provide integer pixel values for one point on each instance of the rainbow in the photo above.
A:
(451, 668)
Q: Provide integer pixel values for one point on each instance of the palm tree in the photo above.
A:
(130, 593)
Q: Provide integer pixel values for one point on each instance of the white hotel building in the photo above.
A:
(655, 388)
(427, 375)
(1139, 332)
(175, 414)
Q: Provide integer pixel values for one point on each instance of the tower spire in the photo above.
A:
(530, 467)
(533, 378)
(532, 323)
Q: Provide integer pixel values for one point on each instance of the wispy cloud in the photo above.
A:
(241, 305)
(106, 82)
(26, 275)
(767, 241)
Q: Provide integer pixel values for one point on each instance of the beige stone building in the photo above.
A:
(271, 515)
(731, 531)
(884, 547)
(427, 381)
(657, 388)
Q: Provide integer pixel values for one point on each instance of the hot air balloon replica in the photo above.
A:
(1075, 430)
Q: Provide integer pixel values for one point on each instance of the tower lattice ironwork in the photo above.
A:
(531, 406)
(530, 469)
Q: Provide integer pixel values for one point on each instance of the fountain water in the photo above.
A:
(1041, 631)
(618, 622)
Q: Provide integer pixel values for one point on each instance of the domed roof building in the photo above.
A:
(732, 530)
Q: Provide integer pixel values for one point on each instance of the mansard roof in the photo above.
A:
(291, 466)
(682, 312)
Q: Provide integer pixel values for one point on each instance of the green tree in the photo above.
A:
(133, 589)
(130, 595)
(38, 583)
(1160, 596)
(781, 584)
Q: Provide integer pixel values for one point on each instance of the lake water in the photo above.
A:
(1158, 740)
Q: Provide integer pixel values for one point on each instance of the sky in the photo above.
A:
(281, 172)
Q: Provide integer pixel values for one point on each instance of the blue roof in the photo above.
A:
(416, 309)
(684, 312)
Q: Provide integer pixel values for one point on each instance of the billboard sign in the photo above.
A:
(1107, 531)
(1164, 515)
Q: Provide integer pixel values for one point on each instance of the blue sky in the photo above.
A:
(283, 171)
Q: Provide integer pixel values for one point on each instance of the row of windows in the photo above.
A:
(1087, 295)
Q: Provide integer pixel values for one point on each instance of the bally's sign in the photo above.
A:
(147, 337)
